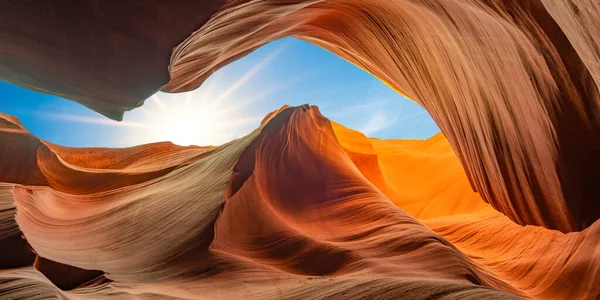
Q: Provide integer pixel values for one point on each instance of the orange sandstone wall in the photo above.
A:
(513, 85)
(514, 92)
(300, 208)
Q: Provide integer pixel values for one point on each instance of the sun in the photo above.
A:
(186, 128)
(201, 117)
(185, 124)
(190, 119)
(214, 114)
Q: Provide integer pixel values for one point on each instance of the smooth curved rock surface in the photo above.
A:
(512, 84)
(503, 203)
(301, 208)
(108, 55)
(514, 93)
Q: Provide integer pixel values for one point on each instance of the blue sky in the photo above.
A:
(286, 71)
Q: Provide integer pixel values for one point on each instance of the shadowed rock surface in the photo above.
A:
(300, 208)
(513, 85)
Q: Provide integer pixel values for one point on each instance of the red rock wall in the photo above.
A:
(512, 84)
(514, 93)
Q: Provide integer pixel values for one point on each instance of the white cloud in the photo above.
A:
(377, 122)
(90, 120)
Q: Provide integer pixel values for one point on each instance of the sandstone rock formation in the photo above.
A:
(300, 208)
(505, 200)
(512, 84)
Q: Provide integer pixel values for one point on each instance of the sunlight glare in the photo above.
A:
(186, 127)
(185, 120)
(202, 117)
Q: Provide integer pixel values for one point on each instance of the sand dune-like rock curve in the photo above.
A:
(513, 85)
(425, 179)
(506, 85)
(301, 208)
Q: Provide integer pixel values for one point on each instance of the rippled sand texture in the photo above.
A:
(300, 208)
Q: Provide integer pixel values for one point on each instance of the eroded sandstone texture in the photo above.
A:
(513, 85)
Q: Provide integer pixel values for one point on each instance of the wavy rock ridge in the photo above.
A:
(513, 85)
(504, 81)
(300, 208)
